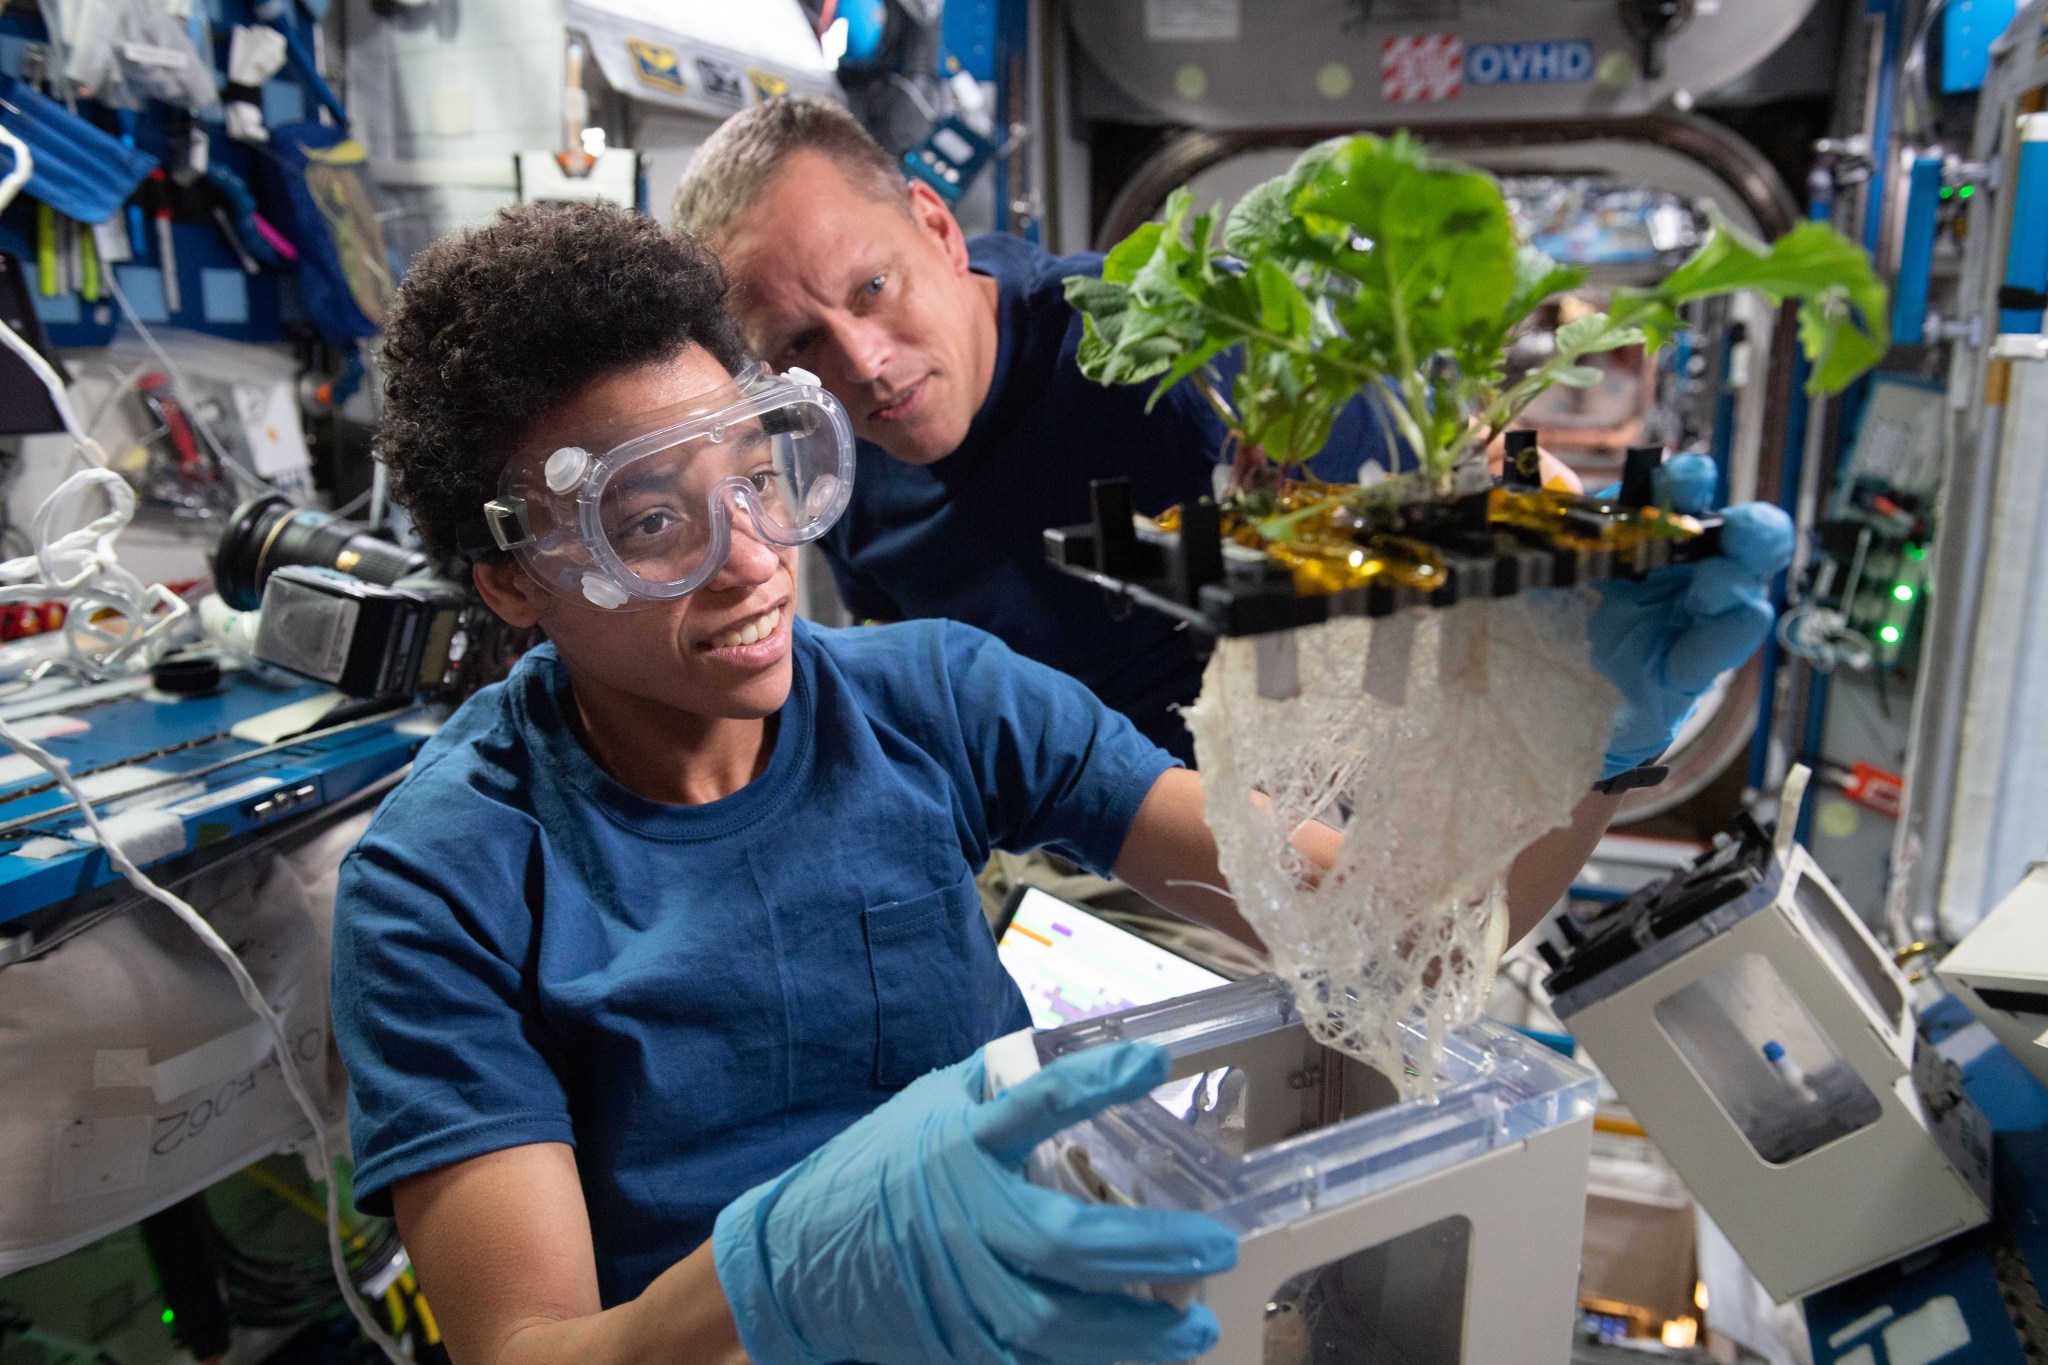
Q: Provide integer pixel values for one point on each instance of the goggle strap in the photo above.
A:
(508, 522)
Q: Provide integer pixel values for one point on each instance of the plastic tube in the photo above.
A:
(1788, 1070)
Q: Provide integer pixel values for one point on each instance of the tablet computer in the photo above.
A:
(1072, 964)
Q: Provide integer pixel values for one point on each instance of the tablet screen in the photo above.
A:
(1073, 965)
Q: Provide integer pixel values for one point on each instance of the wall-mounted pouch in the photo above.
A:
(317, 191)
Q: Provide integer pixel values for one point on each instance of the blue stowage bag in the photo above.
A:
(316, 192)
(78, 170)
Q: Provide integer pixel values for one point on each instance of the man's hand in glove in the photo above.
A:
(1664, 640)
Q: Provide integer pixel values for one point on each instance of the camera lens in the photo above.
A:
(268, 532)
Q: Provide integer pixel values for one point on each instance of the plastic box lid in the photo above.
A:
(1495, 1088)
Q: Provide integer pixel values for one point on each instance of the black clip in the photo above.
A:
(1521, 467)
(1639, 476)
(1647, 775)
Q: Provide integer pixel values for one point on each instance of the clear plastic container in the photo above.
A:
(1759, 1052)
(1262, 1126)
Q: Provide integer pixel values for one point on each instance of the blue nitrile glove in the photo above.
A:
(1665, 639)
(913, 1237)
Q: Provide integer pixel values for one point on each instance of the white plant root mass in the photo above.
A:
(1442, 743)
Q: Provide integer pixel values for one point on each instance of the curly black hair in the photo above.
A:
(499, 325)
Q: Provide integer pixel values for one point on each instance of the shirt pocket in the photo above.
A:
(937, 980)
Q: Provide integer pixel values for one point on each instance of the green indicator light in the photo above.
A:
(1889, 634)
(1903, 592)
(168, 1315)
(1916, 552)
(1946, 193)
(1966, 191)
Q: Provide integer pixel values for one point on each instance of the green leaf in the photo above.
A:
(1538, 279)
(1372, 267)
(1834, 333)
(1189, 362)
(1283, 526)
(1126, 257)
(1593, 334)
(1657, 320)
(1093, 298)
(1264, 225)
(1283, 308)
(1253, 227)
(1844, 310)
(1430, 244)
(1094, 353)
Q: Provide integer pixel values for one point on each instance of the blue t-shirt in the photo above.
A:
(964, 537)
(699, 996)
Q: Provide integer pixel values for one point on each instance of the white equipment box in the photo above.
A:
(1438, 1231)
(1767, 1043)
(2001, 971)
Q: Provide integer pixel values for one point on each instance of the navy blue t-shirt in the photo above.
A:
(697, 997)
(963, 537)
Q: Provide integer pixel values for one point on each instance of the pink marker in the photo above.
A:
(278, 241)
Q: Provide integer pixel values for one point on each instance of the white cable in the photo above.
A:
(24, 162)
(59, 398)
(182, 389)
(917, 96)
(354, 504)
(252, 996)
(124, 384)
(79, 566)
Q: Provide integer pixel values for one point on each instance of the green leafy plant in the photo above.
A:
(1372, 267)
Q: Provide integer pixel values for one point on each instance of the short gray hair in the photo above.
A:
(736, 163)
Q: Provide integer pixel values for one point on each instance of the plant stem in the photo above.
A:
(1400, 417)
(1508, 405)
(1222, 407)
(1413, 391)
(1285, 343)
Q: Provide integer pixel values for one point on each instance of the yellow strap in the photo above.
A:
(46, 250)
(304, 1205)
(88, 265)
(428, 1327)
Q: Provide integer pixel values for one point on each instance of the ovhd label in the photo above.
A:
(1559, 60)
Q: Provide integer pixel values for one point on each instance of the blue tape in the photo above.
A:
(2026, 256)
(1916, 250)
(144, 286)
(223, 295)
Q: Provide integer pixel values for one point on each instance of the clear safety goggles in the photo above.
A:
(642, 510)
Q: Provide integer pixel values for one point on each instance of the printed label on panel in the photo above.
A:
(1557, 61)
(1422, 66)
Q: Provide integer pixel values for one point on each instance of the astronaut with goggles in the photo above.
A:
(650, 519)
(662, 979)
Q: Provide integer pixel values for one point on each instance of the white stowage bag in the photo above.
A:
(133, 1073)
(1443, 742)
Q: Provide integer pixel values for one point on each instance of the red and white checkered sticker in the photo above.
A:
(1422, 66)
